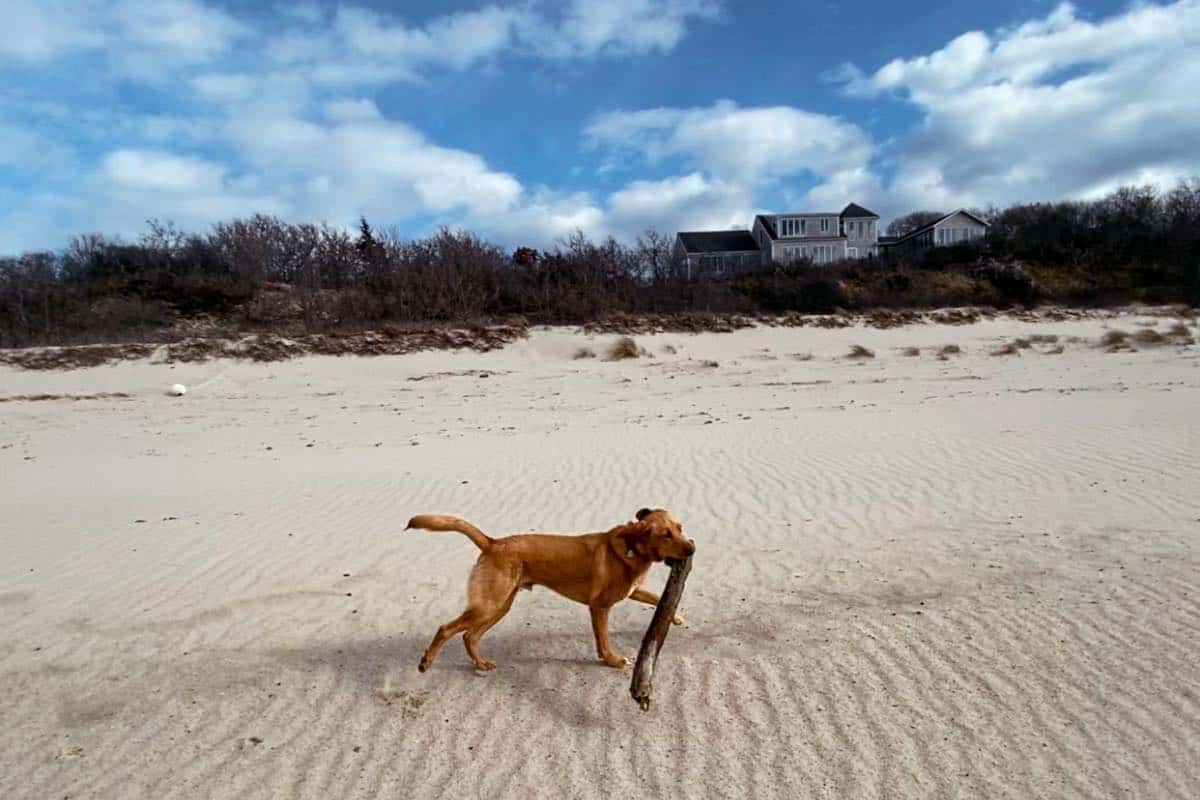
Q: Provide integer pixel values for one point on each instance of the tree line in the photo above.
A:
(1137, 243)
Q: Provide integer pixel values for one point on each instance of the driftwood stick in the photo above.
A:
(656, 634)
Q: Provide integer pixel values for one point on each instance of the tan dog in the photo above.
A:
(596, 569)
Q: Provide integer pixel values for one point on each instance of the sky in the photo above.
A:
(525, 121)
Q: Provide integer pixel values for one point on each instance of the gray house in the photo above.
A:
(825, 237)
(956, 227)
(716, 253)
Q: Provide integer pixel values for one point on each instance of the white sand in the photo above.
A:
(915, 578)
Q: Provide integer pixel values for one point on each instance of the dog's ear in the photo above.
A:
(631, 539)
(642, 514)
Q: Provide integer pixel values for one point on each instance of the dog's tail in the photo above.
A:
(443, 522)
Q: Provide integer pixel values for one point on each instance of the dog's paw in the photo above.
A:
(483, 665)
(677, 620)
(617, 662)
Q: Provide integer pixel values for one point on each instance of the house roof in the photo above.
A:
(930, 225)
(767, 223)
(717, 241)
(855, 210)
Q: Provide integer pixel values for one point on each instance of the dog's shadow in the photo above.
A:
(554, 670)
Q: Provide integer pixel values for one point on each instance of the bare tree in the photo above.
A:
(910, 222)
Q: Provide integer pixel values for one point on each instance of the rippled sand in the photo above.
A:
(971, 577)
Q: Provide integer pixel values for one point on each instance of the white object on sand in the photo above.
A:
(177, 390)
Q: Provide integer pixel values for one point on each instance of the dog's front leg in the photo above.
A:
(650, 598)
(600, 629)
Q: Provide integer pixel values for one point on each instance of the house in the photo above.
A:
(956, 227)
(716, 253)
(820, 237)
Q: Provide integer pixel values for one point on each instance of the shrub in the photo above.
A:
(623, 348)
(1115, 340)
(1180, 333)
(1151, 338)
(1009, 349)
(859, 352)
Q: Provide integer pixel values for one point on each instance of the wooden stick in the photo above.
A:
(656, 634)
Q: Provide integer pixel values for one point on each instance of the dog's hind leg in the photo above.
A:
(490, 592)
(476, 631)
(444, 633)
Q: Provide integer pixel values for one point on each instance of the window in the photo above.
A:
(824, 224)
(852, 252)
(791, 227)
(803, 226)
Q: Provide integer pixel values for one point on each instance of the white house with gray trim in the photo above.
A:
(957, 227)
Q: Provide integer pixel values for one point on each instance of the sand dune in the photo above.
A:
(969, 577)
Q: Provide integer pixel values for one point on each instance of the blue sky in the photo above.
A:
(526, 120)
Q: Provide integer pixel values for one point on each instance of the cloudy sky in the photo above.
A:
(527, 120)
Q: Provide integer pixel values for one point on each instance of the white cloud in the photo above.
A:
(733, 155)
(132, 185)
(544, 216)
(1055, 107)
(36, 32)
(363, 46)
(226, 87)
(355, 162)
(190, 30)
(743, 144)
(140, 39)
(274, 112)
(624, 26)
(161, 172)
(352, 109)
(684, 202)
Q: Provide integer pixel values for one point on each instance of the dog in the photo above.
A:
(596, 569)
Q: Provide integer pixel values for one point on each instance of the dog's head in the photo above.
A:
(656, 535)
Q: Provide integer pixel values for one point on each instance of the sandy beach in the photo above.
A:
(916, 577)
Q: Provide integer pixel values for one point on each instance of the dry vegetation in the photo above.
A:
(860, 352)
(911, 352)
(34, 398)
(1009, 349)
(264, 276)
(624, 348)
(949, 350)
(1180, 334)
(1115, 341)
(272, 347)
(1013, 348)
